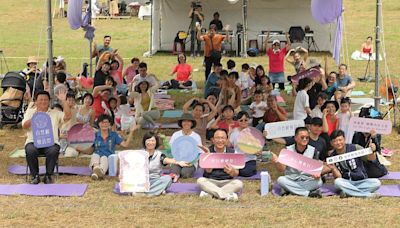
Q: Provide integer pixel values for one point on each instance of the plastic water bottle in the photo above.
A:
(112, 165)
(264, 183)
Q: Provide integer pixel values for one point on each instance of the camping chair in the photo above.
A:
(56, 173)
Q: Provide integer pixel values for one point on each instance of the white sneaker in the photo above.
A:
(204, 194)
(94, 176)
(232, 197)
(97, 170)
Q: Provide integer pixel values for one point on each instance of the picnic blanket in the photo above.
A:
(164, 104)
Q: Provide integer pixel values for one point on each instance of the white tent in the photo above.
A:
(171, 16)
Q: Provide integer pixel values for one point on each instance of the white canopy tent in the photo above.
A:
(171, 16)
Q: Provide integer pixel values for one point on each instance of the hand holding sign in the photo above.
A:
(300, 162)
(42, 130)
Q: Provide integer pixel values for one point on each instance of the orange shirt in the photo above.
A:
(217, 43)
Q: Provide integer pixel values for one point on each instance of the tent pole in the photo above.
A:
(377, 48)
(244, 40)
(151, 29)
(50, 50)
(90, 41)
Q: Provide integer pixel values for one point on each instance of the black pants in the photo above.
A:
(32, 154)
(209, 63)
(175, 84)
(281, 86)
(193, 41)
(249, 169)
(256, 121)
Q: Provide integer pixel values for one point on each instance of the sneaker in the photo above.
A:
(35, 179)
(386, 152)
(97, 170)
(48, 179)
(315, 194)
(343, 195)
(94, 176)
(374, 195)
(232, 197)
(204, 194)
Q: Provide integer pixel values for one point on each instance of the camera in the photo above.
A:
(196, 4)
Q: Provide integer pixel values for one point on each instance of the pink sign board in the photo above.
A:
(382, 127)
(310, 73)
(219, 160)
(300, 162)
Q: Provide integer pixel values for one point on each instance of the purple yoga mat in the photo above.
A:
(389, 190)
(175, 188)
(391, 176)
(75, 170)
(199, 173)
(44, 189)
(326, 190)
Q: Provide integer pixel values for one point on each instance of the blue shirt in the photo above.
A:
(344, 82)
(106, 147)
(211, 84)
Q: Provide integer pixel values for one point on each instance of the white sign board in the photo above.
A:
(347, 156)
(282, 128)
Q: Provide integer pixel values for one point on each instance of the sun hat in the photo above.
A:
(187, 116)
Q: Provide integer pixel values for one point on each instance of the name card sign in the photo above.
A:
(219, 160)
(347, 156)
(42, 130)
(282, 128)
(134, 171)
(382, 127)
(309, 73)
(300, 162)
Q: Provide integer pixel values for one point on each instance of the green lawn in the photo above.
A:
(23, 33)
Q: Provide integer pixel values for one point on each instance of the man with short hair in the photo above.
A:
(219, 183)
(100, 49)
(144, 76)
(211, 85)
(350, 175)
(295, 181)
(42, 104)
(344, 81)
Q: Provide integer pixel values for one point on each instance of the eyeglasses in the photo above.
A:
(243, 120)
(304, 137)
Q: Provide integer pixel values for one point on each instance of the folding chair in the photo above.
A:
(56, 173)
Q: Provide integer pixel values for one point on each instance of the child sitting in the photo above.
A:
(258, 107)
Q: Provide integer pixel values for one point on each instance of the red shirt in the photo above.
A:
(276, 60)
(98, 110)
(224, 125)
(270, 115)
(182, 72)
(331, 125)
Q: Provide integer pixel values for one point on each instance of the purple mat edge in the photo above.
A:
(43, 190)
(73, 170)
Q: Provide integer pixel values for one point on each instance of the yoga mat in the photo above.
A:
(44, 189)
(17, 153)
(389, 190)
(172, 113)
(74, 170)
(357, 93)
(326, 190)
(391, 176)
(175, 188)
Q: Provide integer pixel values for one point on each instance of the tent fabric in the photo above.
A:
(338, 40)
(326, 11)
(171, 16)
(76, 20)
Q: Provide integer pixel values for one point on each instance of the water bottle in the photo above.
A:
(264, 183)
(112, 165)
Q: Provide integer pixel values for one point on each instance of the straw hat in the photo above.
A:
(32, 59)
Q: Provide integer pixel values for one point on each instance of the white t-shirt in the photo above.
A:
(258, 108)
(316, 112)
(233, 140)
(244, 81)
(301, 102)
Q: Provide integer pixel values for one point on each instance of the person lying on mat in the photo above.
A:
(42, 104)
(198, 109)
(295, 181)
(250, 168)
(104, 145)
(185, 169)
(350, 175)
(219, 183)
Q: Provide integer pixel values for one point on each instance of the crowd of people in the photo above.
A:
(233, 101)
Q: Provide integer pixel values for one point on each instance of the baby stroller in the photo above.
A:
(11, 102)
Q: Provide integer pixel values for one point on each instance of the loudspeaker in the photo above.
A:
(296, 34)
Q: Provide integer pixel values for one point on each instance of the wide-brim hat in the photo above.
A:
(187, 116)
(32, 59)
(329, 102)
(314, 63)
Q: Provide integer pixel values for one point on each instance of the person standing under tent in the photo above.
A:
(276, 57)
(196, 18)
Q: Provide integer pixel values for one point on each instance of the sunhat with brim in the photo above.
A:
(32, 59)
(314, 63)
(187, 116)
(330, 102)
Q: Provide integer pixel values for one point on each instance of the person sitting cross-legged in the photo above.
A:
(295, 181)
(350, 175)
(42, 104)
(218, 182)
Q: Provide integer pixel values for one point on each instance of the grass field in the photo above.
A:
(23, 33)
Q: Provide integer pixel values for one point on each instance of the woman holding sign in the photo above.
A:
(250, 168)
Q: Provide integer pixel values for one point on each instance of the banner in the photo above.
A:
(282, 128)
(42, 130)
(309, 73)
(219, 160)
(347, 156)
(134, 171)
(382, 127)
(300, 162)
